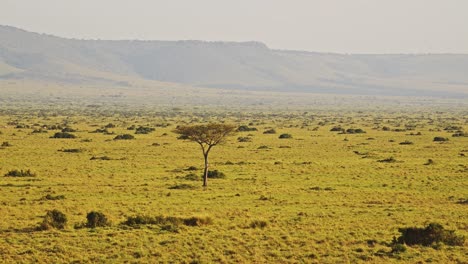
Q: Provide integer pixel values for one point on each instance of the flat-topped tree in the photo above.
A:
(207, 136)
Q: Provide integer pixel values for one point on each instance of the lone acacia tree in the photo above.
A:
(207, 136)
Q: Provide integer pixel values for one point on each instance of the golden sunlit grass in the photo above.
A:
(319, 196)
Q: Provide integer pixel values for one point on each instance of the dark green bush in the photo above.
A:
(144, 130)
(244, 128)
(167, 220)
(53, 219)
(63, 135)
(258, 224)
(124, 137)
(215, 174)
(269, 131)
(182, 186)
(426, 236)
(192, 177)
(283, 136)
(440, 139)
(72, 150)
(406, 142)
(6, 144)
(354, 131)
(336, 129)
(244, 139)
(388, 160)
(68, 129)
(20, 173)
(96, 219)
(52, 197)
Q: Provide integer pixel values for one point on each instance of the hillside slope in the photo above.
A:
(247, 65)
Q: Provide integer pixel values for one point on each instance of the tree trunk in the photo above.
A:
(205, 173)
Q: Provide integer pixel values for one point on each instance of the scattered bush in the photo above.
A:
(192, 168)
(38, 131)
(354, 131)
(336, 129)
(283, 136)
(68, 129)
(20, 173)
(406, 142)
(53, 198)
(215, 174)
(63, 135)
(460, 134)
(192, 177)
(144, 130)
(96, 219)
(440, 139)
(110, 125)
(388, 160)
(270, 131)
(53, 219)
(244, 139)
(263, 147)
(429, 162)
(6, 144)
(100, 158)
(167, 220)
(197, 221)
(72, 150)
(124, 137)
(182, 186)
(103, 130)
(258, 224)
(245, 128)
(431, 234)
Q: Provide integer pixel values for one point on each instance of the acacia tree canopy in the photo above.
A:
(206, 136)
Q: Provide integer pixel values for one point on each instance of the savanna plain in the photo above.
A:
(292, 186)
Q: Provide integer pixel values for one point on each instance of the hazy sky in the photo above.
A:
(345, 26)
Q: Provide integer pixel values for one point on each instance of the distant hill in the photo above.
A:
(229, 65)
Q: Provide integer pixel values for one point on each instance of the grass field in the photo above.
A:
(319, 197)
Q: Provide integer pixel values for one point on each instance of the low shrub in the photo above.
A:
(258, 224)
(124, 137)
(440, 139)
(101, 158)
(20, 173)
(283, 136)
(269, 131)
(388, 160)
(53, 198)
(354, 131)
(144, 130)
(245, 128)
(244, 139)
(68, 129)
(182, 186)
(96, 219)
(53, 219)
(406, 142)
(167, 220)
(72, 150)
(198, 221)
(192, 177)
(431, 234)
(6, 144)
(336, 129)
(215, 174)
(63, 135)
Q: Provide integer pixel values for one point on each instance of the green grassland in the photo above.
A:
(325, 197)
